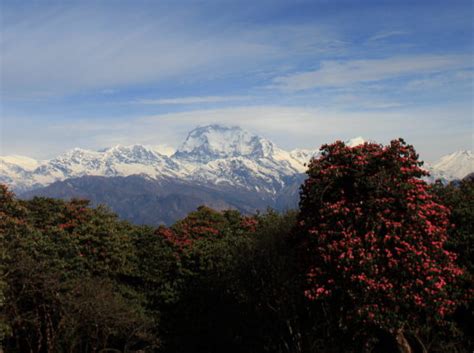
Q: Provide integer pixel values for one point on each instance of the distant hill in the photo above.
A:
(144, 200)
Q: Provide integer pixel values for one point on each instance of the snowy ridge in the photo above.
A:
(456, 165)
(115, 161)
(212, 155)
(25, 163)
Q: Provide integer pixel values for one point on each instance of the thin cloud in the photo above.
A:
(192, 100)
(361, 102)
(463, 78)
(384, 35)
(70, 52)
(289, 127)
(343, 73)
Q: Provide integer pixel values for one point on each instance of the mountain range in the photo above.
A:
(220, 166)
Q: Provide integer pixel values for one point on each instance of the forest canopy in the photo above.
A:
(374, 260)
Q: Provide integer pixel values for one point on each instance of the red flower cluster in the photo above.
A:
(373, 235)
(206, 223)
(75, 213)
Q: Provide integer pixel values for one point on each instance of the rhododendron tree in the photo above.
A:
(373, 237)
(200, 293)
(206, 224)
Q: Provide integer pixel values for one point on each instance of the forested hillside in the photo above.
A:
(374, 260)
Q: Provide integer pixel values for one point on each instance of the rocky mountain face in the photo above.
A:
(223, 167)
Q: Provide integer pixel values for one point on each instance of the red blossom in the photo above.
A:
(371, 228)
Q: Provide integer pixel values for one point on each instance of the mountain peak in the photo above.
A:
(356, 141)
(77, 154)
(212, 142)
(463, 153)
(135, 154)
(456, 165)
(127, 149)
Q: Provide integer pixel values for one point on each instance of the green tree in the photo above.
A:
(197, 303)
(459, 198)
(71, 279)
(11, 223)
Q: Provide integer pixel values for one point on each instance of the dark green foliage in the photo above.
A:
(230, 282)
(77, 279)
(459, 197)
(69, 271)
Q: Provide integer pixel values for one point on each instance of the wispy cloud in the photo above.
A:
(287, 126)
(82, 49)
(387, 34)
(192, 100)
(445, 80)
(79, 49)
(343, 73)
(358, 101)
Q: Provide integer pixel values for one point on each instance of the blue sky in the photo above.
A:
(96, 74)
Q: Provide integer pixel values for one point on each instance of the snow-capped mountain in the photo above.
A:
(214, 155)
(16, 170)
(230, 156)
(356, 141)
(212, 142)
(115, 161)
(456, 165)
(118, 160)
(23, 162)
(302, 155)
